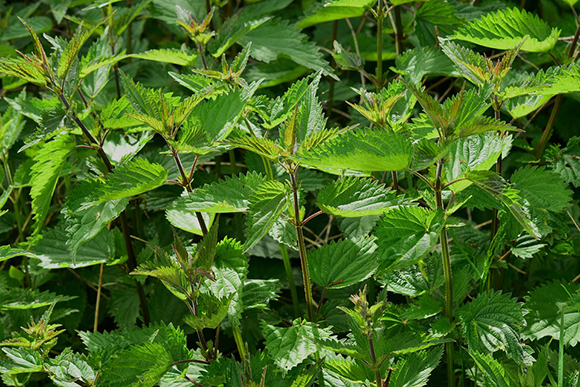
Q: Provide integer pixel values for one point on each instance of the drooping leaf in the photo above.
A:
(491, 322)
(507, 28)
(405, 235)
(266, 204)
(45, 172)
(363, 150)
(354, 197)
(72, 49)
(25, 299)
(343, 263)
(219, 115)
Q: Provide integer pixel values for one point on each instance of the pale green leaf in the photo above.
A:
(229, 195)
(544, 190)
(132, 178)
(355, 197)
(335, 10)
(219, 115)
(415, 369)
(505, 29)
(362, 150)
(493, 372)
(48, 163)
(168, 55)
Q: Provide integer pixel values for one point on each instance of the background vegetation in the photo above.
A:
(289, 193)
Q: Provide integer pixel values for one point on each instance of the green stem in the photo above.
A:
(498, 170)
(449, 348)
(398, 30)
(284, 252)
(302, 246)
(380, 17)
(239, 343)
(561, 352)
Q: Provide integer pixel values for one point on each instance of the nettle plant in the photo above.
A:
(195, 194)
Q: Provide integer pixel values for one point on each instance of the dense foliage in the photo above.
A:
(289, 193)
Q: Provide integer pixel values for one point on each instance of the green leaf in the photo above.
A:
(132, 178)
(543, 189)
(416, 280)
(343, 263)
(69, 367)
(422, 61)
(355, 197)
(405, 236)
(21, 360)
(289, 347)
(475, 153)
(168, 55)
(53, 252)
(566, 161)
(124, 306)
(262, 146)
(72, 49)
(335, 10)
(491, 322)
(545, 304)
(141, 365)
(229, 195)
(493, 372)
(505, 29)
(268, 201)
(219, 115)
(362, 150)
(277, 38)
(415, 369)
(187, 221)
(48, 163)
(85, 216)
(25, 299)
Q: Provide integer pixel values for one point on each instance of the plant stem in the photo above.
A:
(98, 302)
(561, 352)
(187, 184)
(555, 109)
(448, 277)
(398, 30)
(239, 343)
(132, 260)
(284, 252)
(379, 74)
(301, 246)
(498, 170)
(331, 81)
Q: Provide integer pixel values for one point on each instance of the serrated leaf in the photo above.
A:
(543, 189)
(475, 153)
(25, 299)
(335, 10)
(48, 163)
(142, 365)
(73, 47)
(289, 347)
(277, 38)
(362, 150)
(491, 322)
(219, 115)
(505, 29)
(355, 197)
(545, 304)
(168, 55)
(493, 372)
(415, 369)
(422, 61)
(262, 146)
(229, 195)
(266, 204)
(132, 178)
(343, 263)
(566, 161)
(405, 236)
